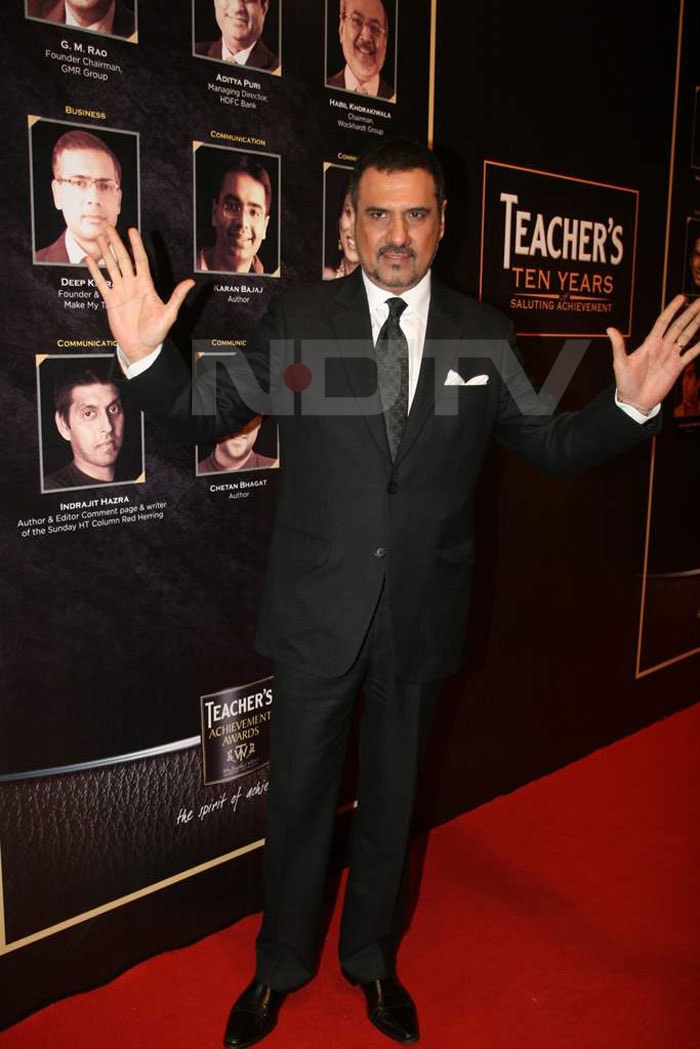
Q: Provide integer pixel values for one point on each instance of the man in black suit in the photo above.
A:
(400, 384)
(241, 23)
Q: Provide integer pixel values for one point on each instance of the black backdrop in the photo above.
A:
(550, 673)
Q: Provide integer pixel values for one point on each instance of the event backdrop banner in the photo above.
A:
(133, 749)
(669, 624)
(133, 561)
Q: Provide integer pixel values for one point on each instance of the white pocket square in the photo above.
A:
(455, 379)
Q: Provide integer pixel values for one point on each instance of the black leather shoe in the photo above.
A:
(253, 1015)
(390, 1008)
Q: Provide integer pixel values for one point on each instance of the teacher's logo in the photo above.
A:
(235, 730)
(557, 253)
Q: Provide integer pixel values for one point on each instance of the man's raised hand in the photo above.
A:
(646, 376)
(138, 317)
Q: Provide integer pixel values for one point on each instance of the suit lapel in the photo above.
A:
(439, 353)
(351, 321)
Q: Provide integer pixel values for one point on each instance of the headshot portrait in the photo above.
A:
(252, 448)
(237, 212)
(340, 256)
(242, 32)
(81, 183)
(691, 284)
(360, 48)
(88, 435)
(688, 403)
(110, 17)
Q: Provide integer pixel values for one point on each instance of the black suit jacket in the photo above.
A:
(338, 81)
(347, 517)
(261, 57)
(56, 252)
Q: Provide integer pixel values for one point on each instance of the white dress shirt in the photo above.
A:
(413, 321)
(367, 87)
(239, 57)
(102, 25)
(75, 253)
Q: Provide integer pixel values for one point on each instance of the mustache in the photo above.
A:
(398, 249)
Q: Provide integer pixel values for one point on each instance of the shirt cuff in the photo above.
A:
(634, 413)
(138, 367)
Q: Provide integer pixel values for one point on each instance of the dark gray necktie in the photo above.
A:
(391, 353)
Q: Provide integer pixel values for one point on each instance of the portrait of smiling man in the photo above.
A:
(364, 31)
(240, 216)
(86, 188)
(241, 23)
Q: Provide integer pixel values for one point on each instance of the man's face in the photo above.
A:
(398, 226)
(346, 231)
(88, 207)
(695, 263)
(95, 428)
(237, 448)
(88, 11)
(240, 220)
(363, 34)
(240, 21)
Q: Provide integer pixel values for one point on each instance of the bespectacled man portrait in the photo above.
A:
(234, 210)
(87, 191)
(364, 36)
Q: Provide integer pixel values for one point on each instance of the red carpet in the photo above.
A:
(563, 916)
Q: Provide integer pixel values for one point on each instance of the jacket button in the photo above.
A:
(392, 487)
(380, 551)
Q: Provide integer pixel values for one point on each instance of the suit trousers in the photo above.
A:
(310, 728)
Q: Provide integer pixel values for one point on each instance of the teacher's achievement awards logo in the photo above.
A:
(235, 731)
